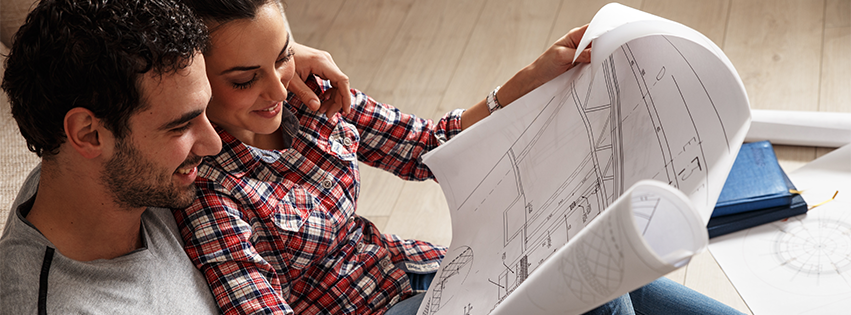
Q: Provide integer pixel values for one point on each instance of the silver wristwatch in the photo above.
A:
(493, 102)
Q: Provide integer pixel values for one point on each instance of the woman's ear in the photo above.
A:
(84, 132)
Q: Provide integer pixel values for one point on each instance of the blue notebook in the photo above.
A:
(756, 181)
(726, 224)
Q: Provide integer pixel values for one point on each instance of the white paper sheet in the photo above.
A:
(542, 172)
(801, 265)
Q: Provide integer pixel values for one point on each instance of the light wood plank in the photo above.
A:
(575, 13)
(360, 35)
(510, 36)
(775, 46)
(705, 276)
(422, 214)
(678, 275)
(379, 192)
(837, 13)
(425, 54)
(793, 157)
(836, 70)
(379, 221)
(822, 151)
(707, 17)
(309, 20)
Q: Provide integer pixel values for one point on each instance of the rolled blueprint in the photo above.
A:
(819, 129)
(651, 229)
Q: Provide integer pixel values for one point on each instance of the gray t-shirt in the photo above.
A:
(156, 279)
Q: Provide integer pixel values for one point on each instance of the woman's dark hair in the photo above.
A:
(92, 54)
(223, 11)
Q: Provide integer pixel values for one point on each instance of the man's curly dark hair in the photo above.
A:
(92, 54)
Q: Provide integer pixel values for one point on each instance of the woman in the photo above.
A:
(274, 228)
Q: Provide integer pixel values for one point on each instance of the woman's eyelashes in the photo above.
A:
(287, 56)
(246, 84)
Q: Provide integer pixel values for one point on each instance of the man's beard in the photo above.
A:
(136, 182)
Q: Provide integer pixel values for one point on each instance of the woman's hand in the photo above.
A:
(313, 61)
(554, 61)
(559, 57)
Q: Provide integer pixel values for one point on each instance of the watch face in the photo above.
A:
(492, 102)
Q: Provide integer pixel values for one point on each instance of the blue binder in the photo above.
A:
(720, 225)
(756, 181)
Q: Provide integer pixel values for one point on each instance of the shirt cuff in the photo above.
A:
(453, 125)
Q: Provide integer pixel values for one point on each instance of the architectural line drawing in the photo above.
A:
(596, 268)
(456, 270)
(531, 224)
(563, 158)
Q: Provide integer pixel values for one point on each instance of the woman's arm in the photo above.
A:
(553, 62)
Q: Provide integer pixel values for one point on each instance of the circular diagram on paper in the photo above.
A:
(814, 247)
(807, 255)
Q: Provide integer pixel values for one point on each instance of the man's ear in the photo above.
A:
(84, 132)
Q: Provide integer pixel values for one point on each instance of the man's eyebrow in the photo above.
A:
(248, 68)
(183, 119)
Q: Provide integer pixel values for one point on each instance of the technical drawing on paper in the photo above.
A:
(814, 248)
(626, 142)
(596, 268)
(810, 250)
(456, 271)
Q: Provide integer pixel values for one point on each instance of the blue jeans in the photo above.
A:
(662, 296)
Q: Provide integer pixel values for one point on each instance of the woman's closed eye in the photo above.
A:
(245, 84)
(287, 56)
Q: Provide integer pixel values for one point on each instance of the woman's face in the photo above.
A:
(249, 65)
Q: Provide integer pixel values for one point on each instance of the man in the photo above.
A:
(112, 96)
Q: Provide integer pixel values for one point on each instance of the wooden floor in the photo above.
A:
(429, 57)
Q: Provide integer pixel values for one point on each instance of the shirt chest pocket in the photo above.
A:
(291, 208)
(302, 235)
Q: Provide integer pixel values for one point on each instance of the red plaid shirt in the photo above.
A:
(276, 231)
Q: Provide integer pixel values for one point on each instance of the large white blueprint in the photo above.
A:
(801, 265)
(550, 210)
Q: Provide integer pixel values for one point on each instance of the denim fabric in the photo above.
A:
(662, 296)
(665, 296)
(420, 282)
(408, 306)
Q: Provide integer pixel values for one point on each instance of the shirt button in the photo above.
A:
(327, 184)
(360, 246)
(347, 142)
(268, 158)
